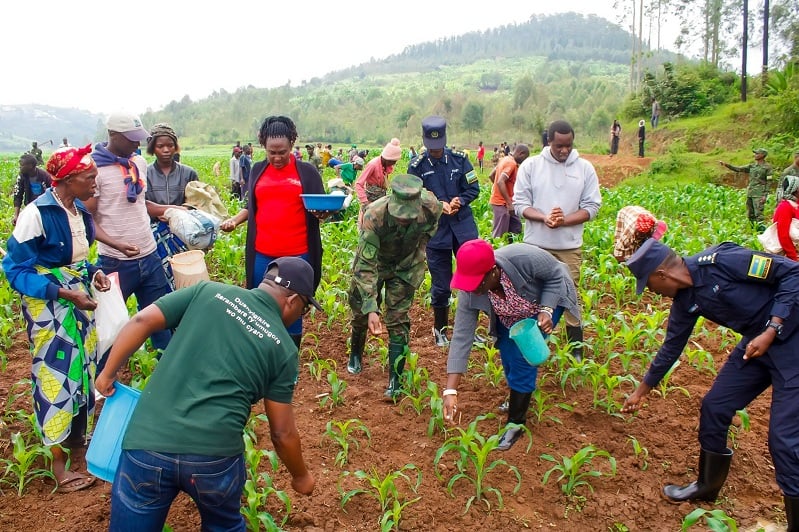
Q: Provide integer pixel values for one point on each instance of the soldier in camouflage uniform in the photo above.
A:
(794, 168)
(757, 190)
(391, 255)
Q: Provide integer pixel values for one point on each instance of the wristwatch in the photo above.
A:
(776, 326)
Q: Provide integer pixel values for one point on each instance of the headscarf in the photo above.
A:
(788, 188)
(163, 130)
(68, 161)
(634, 225)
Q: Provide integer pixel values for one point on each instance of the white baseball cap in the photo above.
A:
(127, 124)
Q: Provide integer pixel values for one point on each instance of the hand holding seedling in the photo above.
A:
(450, 407)
(633, 402)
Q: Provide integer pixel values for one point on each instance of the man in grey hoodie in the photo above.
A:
(556, 192)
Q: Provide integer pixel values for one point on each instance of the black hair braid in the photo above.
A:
(275, 127)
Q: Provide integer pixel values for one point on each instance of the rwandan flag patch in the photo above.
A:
(471, 177)
(759, 266)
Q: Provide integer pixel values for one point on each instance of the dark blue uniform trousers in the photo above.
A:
(737, 384)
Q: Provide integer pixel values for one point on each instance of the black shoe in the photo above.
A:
(713, 469)
(354, 364)
(479, 339)
(511, 436)
(792, 513)
(357, 342)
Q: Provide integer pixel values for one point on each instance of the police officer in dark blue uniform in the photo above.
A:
(757, 295)
(449, 175)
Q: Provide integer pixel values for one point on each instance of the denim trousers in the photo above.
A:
(147, 482)
(145, 278)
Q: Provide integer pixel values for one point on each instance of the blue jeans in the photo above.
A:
(258, 272)
(147, 482)
(144, 277)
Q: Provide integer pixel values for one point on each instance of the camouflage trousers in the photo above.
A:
(398, 297)
(754, 208)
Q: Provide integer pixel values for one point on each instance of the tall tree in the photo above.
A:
(744, 46)
(473, 117)
(764, 72)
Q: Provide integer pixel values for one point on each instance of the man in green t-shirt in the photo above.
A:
(230, 350)
(348, 171)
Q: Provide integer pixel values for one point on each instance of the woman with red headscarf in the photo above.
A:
(47, 264)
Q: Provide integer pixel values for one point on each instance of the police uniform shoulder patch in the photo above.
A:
(759, 266)
(459, 153)
(706, 260)
(416, 161)
(471, 177)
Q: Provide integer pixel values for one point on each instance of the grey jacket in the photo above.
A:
(536, 275)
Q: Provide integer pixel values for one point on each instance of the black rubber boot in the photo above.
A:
(440, 322)
(357, 341)
(297, 339)
(575, 335)
(713, 469)
(792, 513)
(396, 362)
(517, 415)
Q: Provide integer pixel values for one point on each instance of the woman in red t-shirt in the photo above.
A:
(785, 212)
(277, 223)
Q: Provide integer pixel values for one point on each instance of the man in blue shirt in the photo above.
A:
(755, 294)
(450, 176)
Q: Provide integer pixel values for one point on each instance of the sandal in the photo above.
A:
(74, 482)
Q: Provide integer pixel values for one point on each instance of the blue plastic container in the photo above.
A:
(102, 456)
(531, 342)
(323, 202)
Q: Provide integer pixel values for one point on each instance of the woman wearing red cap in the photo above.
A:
(510, 284)
(47, 264)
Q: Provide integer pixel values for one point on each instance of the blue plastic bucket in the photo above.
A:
(102, 456)
(530, 341)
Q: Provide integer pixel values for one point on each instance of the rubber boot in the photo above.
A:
(396, 362)
(297, 339)
(792, 513)
(575, 334)
(713, 469)
(357, 341)
(440, 322)
(517, 416)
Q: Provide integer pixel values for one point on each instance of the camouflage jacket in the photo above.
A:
(758, 173)
(388, 249)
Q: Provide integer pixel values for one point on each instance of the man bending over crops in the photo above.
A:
(757, 295)
(391, 253)
(231, 350)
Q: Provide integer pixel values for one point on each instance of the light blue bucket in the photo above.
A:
(102, 456)
(530, 341)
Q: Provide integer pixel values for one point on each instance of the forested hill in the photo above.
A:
(569, 36)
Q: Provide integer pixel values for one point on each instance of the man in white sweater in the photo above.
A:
(556, 192)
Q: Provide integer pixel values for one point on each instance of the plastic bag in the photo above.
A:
(771, 242)
(110, 315)
(197, 229)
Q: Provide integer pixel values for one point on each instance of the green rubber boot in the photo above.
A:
(357, 341)
(396, 362)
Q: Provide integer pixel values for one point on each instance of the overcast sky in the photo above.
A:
(119, 55)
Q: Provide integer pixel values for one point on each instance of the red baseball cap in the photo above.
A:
(472, 262)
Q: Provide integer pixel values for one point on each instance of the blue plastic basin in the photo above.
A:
(531, 342)
(323, 202)
(102, 456)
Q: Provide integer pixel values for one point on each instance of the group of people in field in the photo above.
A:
(223, 348)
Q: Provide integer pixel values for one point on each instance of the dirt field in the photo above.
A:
(630, 500)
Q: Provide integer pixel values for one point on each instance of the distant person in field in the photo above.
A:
(327, 154)
(495, 157)
(615, 136)
(348, 171)
(235, 174)
(217, 169)
(755, 294)
(64, 143)
(278, 225)
(238, 145)
(544, 139)
(36, 151)
(505, 218)
(314, 158)
(372, 184)
(297, 153)
(556, 192)
(481, 153)
(411, 153)
(641, 137)
(757, 188)
(31, 183)
(655, 113)
(47, 263)
(245, 161)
